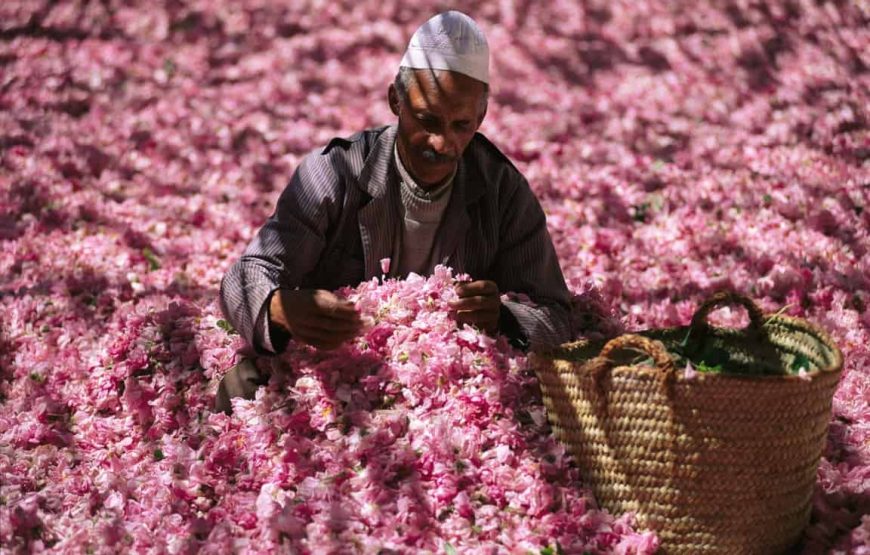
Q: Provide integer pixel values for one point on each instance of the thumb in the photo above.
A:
(336, 306)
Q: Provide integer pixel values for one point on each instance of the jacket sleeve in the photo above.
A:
(283, 252)
(526, 264)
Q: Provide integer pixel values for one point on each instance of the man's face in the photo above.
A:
(437, 119)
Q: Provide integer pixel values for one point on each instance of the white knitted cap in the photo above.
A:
(452, 41)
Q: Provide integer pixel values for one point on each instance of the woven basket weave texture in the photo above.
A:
(719, 463)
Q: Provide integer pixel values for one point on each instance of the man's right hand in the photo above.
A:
(315, 316)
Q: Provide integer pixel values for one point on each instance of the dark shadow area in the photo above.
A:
(653, 59)
(584, 56)
(7, 351)
(760, 73)
(26, 196)
(84, 27)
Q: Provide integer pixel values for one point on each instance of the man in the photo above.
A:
(428, 191)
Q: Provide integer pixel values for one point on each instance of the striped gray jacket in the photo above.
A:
(338, 216)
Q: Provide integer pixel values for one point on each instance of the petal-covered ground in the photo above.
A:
(678, 148)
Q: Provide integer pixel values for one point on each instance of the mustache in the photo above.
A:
(433, 157)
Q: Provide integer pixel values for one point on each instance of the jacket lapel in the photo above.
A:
(378, 219)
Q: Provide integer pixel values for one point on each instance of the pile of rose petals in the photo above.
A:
(676, 149)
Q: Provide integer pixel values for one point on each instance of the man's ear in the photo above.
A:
(393, 99)
(482, 115)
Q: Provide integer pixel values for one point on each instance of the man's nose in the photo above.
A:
(443, 143)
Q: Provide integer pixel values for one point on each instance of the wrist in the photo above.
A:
(277, 318)
(279, 331)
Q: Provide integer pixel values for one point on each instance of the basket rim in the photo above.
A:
(808, 376)
(836, 366)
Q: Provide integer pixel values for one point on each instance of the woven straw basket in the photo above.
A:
(717, 462)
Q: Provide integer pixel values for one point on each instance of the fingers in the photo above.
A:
(476, 295)
(322, 344)
(320, 318)
(336, 326)
(484, 288)
(307, 304)
(328, 305)
(487, 320)
(478, 305)
(323, 329)
(339, 310)
(322, 338)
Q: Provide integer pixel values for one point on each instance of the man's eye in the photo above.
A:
(428, 121)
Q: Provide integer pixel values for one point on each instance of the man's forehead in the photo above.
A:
(444, 86)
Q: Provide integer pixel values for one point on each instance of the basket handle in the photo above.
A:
(723, 298)
(664, 364)
(655, 349)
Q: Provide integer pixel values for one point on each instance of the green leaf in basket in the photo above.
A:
(449, 549)
(801, 362)
(715, 357)
(548, 551)
(679, 351)
(643, 361)
(710, 369)
(685, 342)
(712, 360)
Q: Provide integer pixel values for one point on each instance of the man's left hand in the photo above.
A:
(479, 305)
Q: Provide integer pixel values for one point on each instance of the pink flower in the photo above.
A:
(689, 373)
(701, 154)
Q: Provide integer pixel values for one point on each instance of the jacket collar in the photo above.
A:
(376, 168)
(379, 218)
(375, 175)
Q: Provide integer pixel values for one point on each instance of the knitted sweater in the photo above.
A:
(422, 212)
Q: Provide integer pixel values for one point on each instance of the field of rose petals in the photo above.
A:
(677, 147)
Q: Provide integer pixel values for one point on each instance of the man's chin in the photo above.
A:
(436, 175)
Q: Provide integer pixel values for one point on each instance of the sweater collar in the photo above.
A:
(375, 174)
